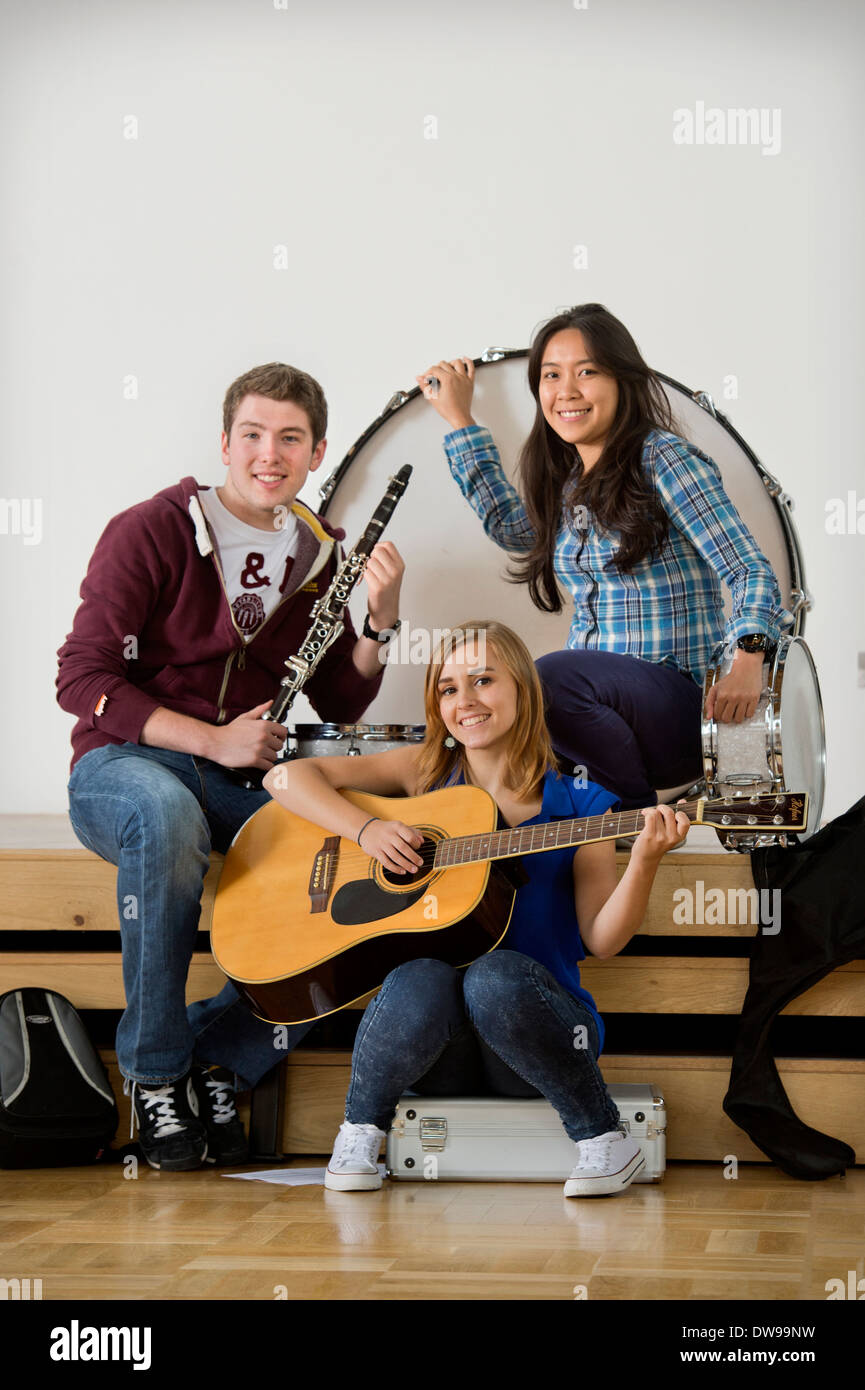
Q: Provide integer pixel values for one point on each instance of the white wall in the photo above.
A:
(305, 127)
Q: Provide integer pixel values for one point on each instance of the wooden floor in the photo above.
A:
(93, 1234)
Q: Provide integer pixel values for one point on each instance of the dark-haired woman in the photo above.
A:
(633, 521)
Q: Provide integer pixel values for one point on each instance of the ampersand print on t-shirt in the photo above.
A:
(251, 576)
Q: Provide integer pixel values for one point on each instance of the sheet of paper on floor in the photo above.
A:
(289, 1177)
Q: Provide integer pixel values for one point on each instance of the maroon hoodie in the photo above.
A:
(154, 577)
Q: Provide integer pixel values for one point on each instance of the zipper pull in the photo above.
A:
(241, 659)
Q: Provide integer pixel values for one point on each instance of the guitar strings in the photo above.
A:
(429, 849)
(602, 823)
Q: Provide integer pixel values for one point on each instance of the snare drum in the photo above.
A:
(455, 572)
(782, 747)
(351, 740)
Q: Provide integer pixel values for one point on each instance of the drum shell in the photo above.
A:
(783, 742)
(351, 740)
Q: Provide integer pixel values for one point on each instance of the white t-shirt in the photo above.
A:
(255, 564)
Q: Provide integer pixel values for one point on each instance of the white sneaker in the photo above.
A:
(353, 1166)
(607, 1163)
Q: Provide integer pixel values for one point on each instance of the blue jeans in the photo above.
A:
(633, 725)
(504, 1026)
(157, 815)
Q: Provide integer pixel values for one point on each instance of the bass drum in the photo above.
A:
(454, 571)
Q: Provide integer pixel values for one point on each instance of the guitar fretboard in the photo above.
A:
(530, 839)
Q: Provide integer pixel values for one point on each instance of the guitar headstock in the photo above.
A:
(766, 812)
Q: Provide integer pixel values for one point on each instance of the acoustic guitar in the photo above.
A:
(305, 923)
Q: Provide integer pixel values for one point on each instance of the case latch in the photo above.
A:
(433, 1133)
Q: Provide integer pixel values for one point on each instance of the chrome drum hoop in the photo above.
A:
(774, 715)
(351, 740)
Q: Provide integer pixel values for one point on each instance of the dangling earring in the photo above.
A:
(450, 742)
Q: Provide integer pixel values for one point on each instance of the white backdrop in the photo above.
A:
(197, 187)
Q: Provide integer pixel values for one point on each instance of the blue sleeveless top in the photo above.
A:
(544, 920)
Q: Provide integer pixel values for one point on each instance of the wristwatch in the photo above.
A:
(383, 636)
(753, 642)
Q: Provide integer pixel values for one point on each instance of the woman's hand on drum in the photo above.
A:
(665, 828)
(452, 397)
(393, 844)
(735, 697)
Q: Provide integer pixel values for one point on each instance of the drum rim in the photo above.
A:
(779, 666)
(337, 732)
(781, 501)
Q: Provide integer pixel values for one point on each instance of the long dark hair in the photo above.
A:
(618, 497)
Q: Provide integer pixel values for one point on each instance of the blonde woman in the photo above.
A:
(507, 1025)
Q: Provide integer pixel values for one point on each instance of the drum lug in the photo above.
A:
(773, 487)
(802, 601)
(705, 400)
(397, 399)
(326, 490)
(493, 354)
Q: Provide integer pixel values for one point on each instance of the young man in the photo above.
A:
(191, 604)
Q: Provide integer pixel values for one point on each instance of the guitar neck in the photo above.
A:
(533, 839)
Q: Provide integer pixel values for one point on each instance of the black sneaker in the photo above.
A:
(226, 1140)
(171, 1135)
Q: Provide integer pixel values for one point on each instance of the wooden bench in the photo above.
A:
(50, 884)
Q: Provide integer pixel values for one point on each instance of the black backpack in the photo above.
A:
(57, 1108)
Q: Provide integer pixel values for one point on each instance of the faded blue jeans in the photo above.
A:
(503, 1026)
(157, 815)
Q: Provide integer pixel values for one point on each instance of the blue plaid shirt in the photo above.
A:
(668, 609)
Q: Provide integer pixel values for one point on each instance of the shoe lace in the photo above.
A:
(359, 1142)
(160, 1098)
(596, 1150)
(221, 1099)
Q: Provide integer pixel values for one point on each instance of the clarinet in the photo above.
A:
(326, 615)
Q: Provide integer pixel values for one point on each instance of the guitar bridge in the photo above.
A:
(323, 874)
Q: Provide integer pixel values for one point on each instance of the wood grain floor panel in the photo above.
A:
(91, 1234)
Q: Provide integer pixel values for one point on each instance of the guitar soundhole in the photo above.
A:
(427, 853)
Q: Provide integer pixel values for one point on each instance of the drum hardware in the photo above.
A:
(783, 743)
(327, 488)
(351, 740)
(705, 400)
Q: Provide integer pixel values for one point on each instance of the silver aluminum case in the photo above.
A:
(499, 1139)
